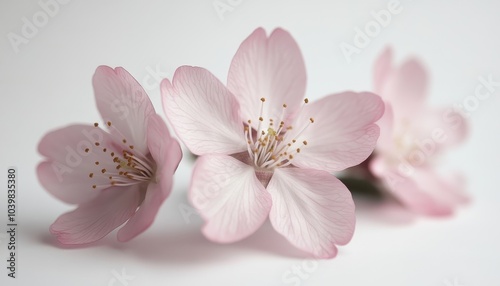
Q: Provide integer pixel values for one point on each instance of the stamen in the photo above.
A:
(265, 145)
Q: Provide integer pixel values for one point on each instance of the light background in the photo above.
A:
(47, 84)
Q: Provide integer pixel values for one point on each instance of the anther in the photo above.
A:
(94, 186)
(104, 150)
(284, 105)
(87, 150)
(311, 119)
(97, 143)
(96, 124)
(304, 142)
(103, 171)
(306, 100)
(261, 119)
(124, 141)
(131, 146)
(91, 175)
(97, 162)
(262, 99)
(109, 123)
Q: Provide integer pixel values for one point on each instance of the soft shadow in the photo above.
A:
(189, 246)
(373, 204)
(384, 210)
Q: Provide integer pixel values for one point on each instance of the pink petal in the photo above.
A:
(65, 174)
(406, 89)
(445, 127)
(93, 220)
(167, 154)
(229, 197)
(312, 209)
(122, 101)
(272, 68)
(382, 69)
(343, 134)
(385, 141)
(422, 191)
(203, 112)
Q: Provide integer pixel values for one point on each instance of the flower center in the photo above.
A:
(119, 164)
(266, 143)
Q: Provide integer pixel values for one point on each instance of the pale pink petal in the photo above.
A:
(122, 101)
(167, 154)
(65, 173)
(443, 126)
(343, 134)
(312, 209)
(419, 189)
(229, 197)
(382, 69)
(203, 112)
(448, 190)
(406, 89)
(272, 68)
(385, 141)
(93, 220)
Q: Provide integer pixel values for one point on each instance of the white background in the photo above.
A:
(47, 84)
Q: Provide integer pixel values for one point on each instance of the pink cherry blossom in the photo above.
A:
(265, 151)
(115, 176)
(412, 136)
